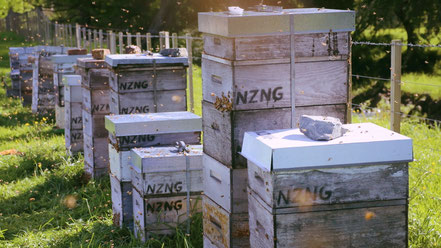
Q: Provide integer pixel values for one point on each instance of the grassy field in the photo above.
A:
(46, 202)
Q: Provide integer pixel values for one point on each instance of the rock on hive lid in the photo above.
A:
(364, 143)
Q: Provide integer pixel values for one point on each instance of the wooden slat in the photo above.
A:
(268, 85)
(307, 188)
(96, 152)
(73, 116)
(224, 229)
(96, 101)
(73, 140)
(94, 125)
(137, 81)
(122, 205)
(143, 102)
(126, 143)
(225, 186)
(269, 47)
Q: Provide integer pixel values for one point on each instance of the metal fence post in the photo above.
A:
(395, 84)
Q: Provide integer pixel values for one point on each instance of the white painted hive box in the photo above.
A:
(364, 143)
(115, 60)
(154, 123)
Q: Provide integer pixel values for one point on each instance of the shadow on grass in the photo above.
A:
(45, 205)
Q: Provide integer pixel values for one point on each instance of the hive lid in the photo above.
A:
(254, 23)
(166, 159)
(153, 123)
(115, 60)
(72, 80)
(91, 63)
(20, 50)
(51, 49)
(64, 58)
(364, 143)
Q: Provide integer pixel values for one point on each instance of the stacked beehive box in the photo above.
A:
(348, 192)
(63, 65)
(96, 99)
(73, 131)
(144, 84)
(43, 90)
(167, 187)
(142, 130)
(21, 72)
(250, 66)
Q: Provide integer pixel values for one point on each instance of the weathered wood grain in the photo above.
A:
(96, 101)
(368, 226)
(223, 131)
(167, 183)
(166, 78)
(224, 229)
(122, 203)
(144, 102)
(159, 215)
(95, 172)
(93, 125)
(125, 143)
(73, 116)
(225, 186)
(267, 85)
(96, 152)
(120, 164)
(305, 188)
(59, 117)
(73, 140)
(73, 94)
(278, 46)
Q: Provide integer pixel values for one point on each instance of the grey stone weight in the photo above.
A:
(320, 127)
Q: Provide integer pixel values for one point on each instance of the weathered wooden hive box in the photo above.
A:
(250, 66)
(143, 130)
(43, 90)
(167, 187)
(348, 192)
(63, 65)
(96, 100)
(73, 130)
(143, 84)
(21, 73)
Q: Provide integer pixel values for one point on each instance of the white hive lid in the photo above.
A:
(153, 123)
(64, 58)
(166, 159)
(364, 143)
(254, 23)
(72, 80)
(115, 60)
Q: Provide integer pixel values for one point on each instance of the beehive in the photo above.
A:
(144, 84)
(63, 65)
(73, 130)
(21, 73)
(96, 100)
(144, 130)
(167, 186)
(43, 89)
(262, 70)
(351, 191)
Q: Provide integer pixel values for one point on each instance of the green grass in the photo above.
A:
(37, 188)
(418, 83)
(424, 179)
